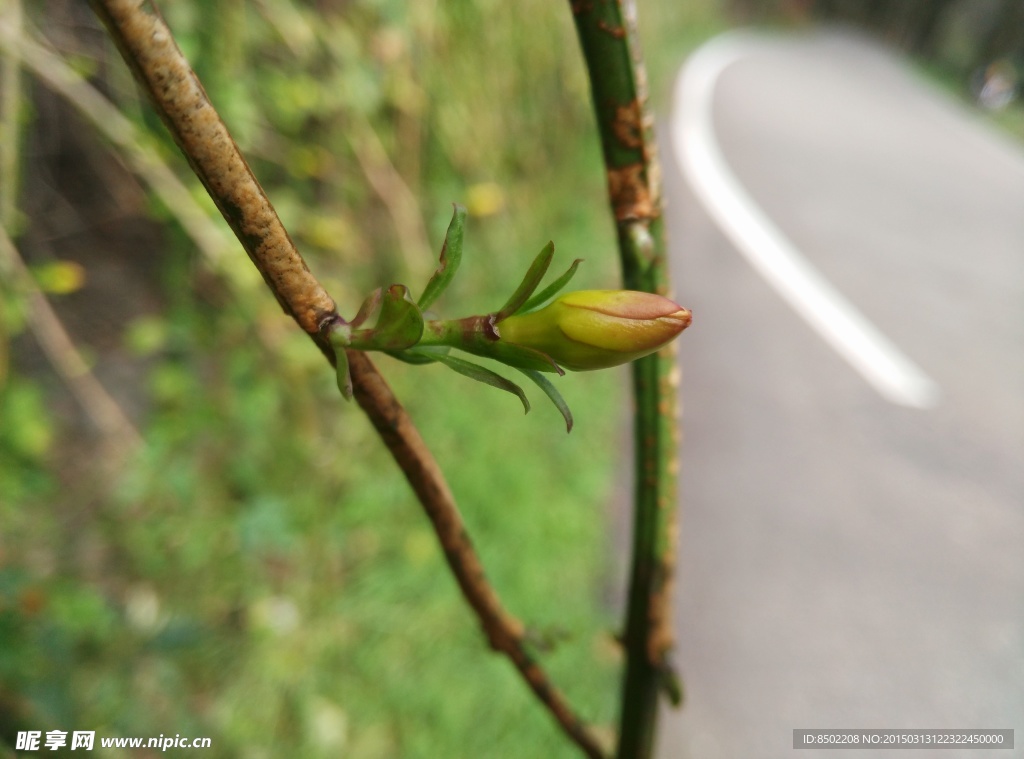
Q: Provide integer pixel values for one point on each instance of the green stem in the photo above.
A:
(479, 335)
(608, 39)
(472, 332)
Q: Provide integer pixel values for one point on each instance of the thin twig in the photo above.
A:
(504, 632)
(396, 195)
(99, 406)
(104, 412)
(618, 82)
(149, 49)
(143, 159)
(10, 102)
(10, 133)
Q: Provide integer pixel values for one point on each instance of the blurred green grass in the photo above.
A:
(260, 572)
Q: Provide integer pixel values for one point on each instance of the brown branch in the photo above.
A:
(504, 632)
(149, 49)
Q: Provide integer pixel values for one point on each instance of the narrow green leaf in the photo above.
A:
(425, 355)
(343, 374)
(522, 357)
(671, 684)
(536, 273)
(399, 326)
(551, 290)
(551, 392)
(480, 374)
(451, 257)
(366, 310)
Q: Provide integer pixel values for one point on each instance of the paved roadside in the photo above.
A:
(846, 561)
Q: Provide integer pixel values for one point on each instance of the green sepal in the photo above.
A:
(451, 257)
(399, 326)
(551, 290)
(343, 374)
(419, 356)
(533, 277)
(551, 392)
(521, 357)
(367, 309)
(480, 374)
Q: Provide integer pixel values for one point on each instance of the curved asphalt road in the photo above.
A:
(846, 561)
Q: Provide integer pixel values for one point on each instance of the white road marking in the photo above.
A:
(766, 248)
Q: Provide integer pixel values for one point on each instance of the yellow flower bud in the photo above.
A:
(595, 329)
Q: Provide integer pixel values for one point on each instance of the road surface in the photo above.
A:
(850, 558)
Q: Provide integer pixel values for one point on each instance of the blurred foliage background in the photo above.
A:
(257, 571)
